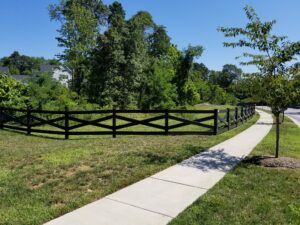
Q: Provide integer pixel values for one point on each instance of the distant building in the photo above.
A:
(20, 78)
(47, 68)
(61, 73)
(4, 69)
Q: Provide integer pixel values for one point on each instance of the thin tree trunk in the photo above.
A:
(277, 135)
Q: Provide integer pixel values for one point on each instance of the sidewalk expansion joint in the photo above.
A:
(174, 182)
(138, 207)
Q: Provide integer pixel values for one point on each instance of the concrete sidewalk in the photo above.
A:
(294, 120)
(291, 113)
(294, 115)
(158, 199)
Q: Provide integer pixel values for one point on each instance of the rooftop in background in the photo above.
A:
(47, 67)
(20, 77)
(4, 69)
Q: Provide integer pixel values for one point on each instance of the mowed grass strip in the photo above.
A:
(43, 178)
(252, 194)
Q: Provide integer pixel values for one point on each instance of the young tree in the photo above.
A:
(273, 57)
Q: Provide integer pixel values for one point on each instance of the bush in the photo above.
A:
(12, 92)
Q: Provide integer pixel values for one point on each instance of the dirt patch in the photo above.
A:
(37, 186)
(82, 168)
(267, 161)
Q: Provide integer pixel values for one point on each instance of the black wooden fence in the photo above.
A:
(115, 122)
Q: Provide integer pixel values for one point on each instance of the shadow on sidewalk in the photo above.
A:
(264, 123)
(212, 160)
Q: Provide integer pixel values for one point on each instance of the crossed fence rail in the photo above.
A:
(116, 122)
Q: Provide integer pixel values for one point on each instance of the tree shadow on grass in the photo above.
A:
(61, 137)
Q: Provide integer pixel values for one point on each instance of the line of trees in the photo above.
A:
(125, 63)
(132, 63)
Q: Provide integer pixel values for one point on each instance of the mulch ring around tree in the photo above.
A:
(267, 161)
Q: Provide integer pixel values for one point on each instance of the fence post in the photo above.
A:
(247, 112)
(166, 121)
(242, 114)
(1, 117)
(66, 123)
(216, 120)
(114, 123)
(228, 118)
(28, 120)
(236, 116)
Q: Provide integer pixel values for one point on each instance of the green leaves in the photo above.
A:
(274, 61)
(80, 24)
(273, 56)
(12, 93)
(132, 62)
(184, 71)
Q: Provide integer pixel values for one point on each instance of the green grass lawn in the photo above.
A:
(252, 194)
(43, 178)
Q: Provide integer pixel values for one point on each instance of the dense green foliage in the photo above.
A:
(81, 22)
(44, 91)
(39, 91)
(12, 93)
(123, 63)
(132, 63)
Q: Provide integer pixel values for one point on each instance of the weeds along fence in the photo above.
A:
(123, 122)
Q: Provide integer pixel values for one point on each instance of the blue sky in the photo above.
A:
(25, 25)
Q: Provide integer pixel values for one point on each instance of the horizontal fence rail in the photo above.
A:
(123, 122)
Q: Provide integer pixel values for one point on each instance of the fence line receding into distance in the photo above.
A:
(123, 122)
